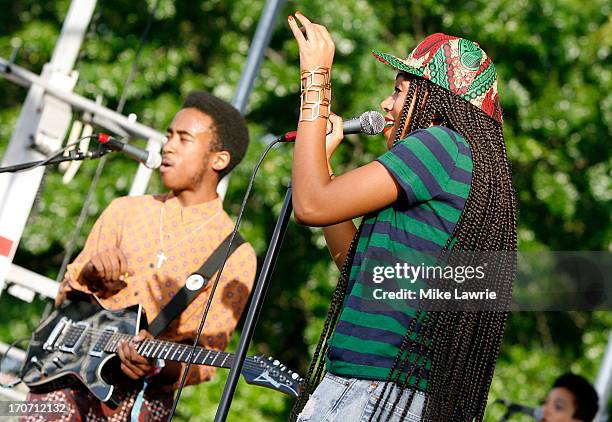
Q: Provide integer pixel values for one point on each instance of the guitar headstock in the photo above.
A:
(269, 372)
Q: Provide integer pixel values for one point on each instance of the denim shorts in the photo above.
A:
(353, 400)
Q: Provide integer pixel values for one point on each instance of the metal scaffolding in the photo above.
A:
(44, 122)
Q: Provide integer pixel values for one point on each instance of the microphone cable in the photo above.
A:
(18, 168)
(4, 355)
(216, 282)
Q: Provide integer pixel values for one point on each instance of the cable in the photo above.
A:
(95, 180)
(79, 224)
(5, 354)
(18, 168)
(130, 77)
(214, 286)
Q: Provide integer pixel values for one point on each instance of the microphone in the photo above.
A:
(537, 413)
(150, 159)
(370, 123)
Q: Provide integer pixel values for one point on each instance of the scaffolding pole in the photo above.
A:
(603, 384)
(263, 34)
(42, 125)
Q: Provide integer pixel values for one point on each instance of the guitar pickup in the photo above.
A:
(74, 337)
(98, 348)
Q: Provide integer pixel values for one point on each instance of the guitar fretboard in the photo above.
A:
(153, 348)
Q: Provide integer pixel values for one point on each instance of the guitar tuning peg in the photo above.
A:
(276, 362)
(295, 376)
(283, 367)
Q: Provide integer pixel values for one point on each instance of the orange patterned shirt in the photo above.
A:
(190, 235)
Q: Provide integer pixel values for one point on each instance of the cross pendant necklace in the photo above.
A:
(161, 257)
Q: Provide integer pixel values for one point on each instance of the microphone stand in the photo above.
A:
(74, 155)
(259, 294)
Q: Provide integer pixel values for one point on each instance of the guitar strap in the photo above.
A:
(196, 283)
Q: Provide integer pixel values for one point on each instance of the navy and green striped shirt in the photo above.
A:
(433, 167)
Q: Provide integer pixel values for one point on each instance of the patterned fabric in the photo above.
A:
(433, 167)
(82, 406)
(455, 64)
(133, 225)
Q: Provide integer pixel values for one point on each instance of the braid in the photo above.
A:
(404, 116)
(396, 372)
(464, 345)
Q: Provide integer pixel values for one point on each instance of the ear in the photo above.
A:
(220, 160)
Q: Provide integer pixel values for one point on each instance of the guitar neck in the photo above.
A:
(167, 350)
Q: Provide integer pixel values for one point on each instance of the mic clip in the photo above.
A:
(100, 152)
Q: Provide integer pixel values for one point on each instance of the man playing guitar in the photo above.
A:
(142, 249)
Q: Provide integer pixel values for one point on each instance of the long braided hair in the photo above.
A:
(463, 345)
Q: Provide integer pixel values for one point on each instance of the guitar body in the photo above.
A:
(58, 359)
(78, 341)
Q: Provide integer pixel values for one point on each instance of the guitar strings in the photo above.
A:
(96, 334)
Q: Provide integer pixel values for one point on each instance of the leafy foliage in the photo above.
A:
(553, 60)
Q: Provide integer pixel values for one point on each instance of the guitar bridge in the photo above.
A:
(57, 330)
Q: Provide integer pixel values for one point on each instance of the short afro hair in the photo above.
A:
(585, 396)
(229, 125)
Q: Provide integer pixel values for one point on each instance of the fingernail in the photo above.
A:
(290, 17)
(297, 11)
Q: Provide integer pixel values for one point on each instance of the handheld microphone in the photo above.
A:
(537, 413)
(150, 159)
(370, 123)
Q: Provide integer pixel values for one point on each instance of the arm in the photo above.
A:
(318, 200)
(338, 236)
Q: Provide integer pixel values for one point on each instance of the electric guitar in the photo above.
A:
(78, 342)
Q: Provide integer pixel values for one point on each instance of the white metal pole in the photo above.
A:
(44, 120)
(260, 42)
(26, 78)
(603, 384)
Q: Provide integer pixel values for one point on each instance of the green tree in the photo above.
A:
(553, 60)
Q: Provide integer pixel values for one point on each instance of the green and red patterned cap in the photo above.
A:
(455, 64)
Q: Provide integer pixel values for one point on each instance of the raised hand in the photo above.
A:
(314, 41)
(105, 273)
(335, 134)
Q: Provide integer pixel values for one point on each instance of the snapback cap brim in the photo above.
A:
(396, 62)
